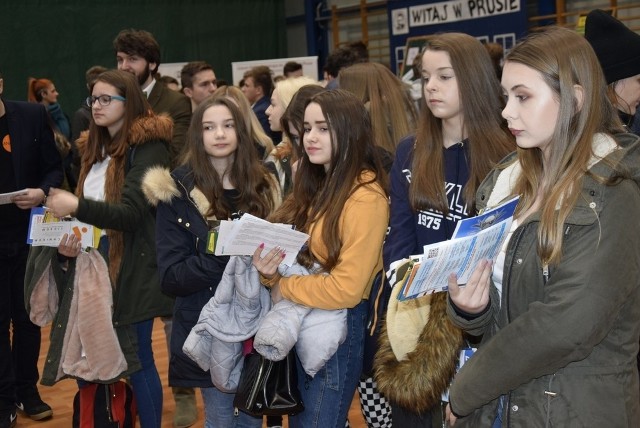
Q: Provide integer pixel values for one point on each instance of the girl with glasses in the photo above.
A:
(124, 140)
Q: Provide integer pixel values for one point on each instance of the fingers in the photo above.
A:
(268, 264)
(70, 245)
(473, 297)
(30, 199)
(449, 417)
(453, 284)
(62, 203)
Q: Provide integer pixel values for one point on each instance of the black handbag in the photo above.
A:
(268, 387)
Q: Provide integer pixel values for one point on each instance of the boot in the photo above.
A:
(186, 410)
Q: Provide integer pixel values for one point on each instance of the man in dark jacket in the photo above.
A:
(257, 86)
(29, 164)
(138, 52)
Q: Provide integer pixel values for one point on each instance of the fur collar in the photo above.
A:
(143, 129)
(417, 381)
(602, 146)
(158, 185)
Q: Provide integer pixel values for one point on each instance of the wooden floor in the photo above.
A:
(60, 396)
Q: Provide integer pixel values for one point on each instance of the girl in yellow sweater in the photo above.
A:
(339, 200)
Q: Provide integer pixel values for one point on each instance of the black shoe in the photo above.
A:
(35, 408)
(8, 419)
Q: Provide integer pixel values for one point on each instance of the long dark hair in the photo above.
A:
(322, 194)
(257, 189)
(488, 135)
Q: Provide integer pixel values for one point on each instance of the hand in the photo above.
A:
(33, 197)
(449, 416)
(268, 265)
(473, 297)
(70, 245)
(61, 203)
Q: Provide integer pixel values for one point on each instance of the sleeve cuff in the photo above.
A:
(466, 315)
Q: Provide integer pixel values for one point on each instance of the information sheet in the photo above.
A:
(474, 239)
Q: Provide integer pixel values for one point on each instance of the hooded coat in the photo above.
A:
(186, 269)
(136, 291)
(560, 345)
(130, 221)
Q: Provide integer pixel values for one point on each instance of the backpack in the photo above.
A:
(98, 405)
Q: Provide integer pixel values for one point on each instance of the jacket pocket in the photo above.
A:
(587, 400)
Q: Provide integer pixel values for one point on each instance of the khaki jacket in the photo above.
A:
(562, 351)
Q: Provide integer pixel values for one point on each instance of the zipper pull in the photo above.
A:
(545, 272)
(235, 411)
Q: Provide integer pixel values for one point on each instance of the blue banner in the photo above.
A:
(498, 21)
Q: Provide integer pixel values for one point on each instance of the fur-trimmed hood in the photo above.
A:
(143, 129)
(158, 185)
(417, 348)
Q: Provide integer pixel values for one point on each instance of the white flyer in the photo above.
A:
(5, 198)
(242, 237)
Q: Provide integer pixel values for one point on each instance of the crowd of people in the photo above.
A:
(155, 165)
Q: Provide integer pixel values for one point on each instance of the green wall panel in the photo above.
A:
(60, 39)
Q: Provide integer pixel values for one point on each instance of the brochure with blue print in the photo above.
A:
(474, 239)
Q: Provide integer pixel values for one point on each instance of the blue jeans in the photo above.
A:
(146, 385)
(328, 395)
(219, 411)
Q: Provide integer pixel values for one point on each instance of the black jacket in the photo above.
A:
(186, 270)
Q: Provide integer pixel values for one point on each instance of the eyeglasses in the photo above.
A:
(104, 100)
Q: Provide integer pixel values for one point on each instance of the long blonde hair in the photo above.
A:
(564, 59)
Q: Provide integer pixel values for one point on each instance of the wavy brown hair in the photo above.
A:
(565, 60)
(393, 113)
(488, 137)
(322, 194)
(258, 190)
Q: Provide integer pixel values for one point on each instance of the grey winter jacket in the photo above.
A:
(316, 333)
(231, 317)
(561, 345)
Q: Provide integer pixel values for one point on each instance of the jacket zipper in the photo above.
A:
(186, 193)
(545, 273)
(507, 277)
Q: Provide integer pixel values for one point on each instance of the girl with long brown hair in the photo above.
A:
(460, 137)
(559, 309)
(124, 140)
(339, 199)
(220, 178)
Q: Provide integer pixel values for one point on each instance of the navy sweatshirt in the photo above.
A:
(410, 230)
